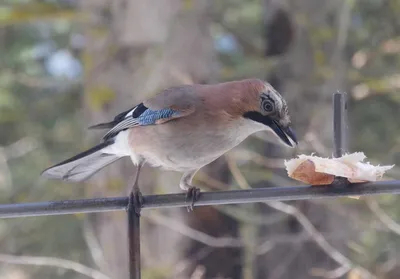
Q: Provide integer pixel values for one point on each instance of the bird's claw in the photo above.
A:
(193, 194)
(340, 182)
(135, 202)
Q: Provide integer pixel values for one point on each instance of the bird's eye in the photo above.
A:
(268, 106)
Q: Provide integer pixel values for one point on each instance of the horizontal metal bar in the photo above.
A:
(206, 198)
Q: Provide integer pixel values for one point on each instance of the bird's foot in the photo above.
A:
(193, 194)
(135, 201)
(340, 182)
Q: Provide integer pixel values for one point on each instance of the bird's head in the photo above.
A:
(271, 110)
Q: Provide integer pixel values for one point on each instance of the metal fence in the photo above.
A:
(339, 188)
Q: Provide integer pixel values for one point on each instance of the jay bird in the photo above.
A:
(182, 129)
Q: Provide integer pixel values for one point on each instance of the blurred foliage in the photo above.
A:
(25, 12)
(34, 105)
(36, 102)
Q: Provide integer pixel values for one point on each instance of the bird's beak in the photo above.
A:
(286, 134)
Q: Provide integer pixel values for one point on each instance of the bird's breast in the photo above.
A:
(186, 147)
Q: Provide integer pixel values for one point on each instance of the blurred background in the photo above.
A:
(67, 64)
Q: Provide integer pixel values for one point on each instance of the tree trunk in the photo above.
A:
(133, 50)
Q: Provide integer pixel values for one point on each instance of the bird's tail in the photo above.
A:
(82, 166)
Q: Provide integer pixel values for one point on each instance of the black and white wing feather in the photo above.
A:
(140, 115)
(122, 121)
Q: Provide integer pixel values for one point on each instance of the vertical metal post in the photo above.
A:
(340, 131)
(339, 123)
(134, 240)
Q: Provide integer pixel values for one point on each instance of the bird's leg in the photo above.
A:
(192, 192)
(135, 196)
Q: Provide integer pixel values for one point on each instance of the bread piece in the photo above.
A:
(315, 170)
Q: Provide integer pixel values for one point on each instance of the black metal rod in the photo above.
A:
(339, 132)
(282, 193)
(134, 240)
(339, 124)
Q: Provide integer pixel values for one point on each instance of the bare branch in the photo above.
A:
(265, 136)
(210, 182)
(248, 155)
(94, 245)
(383, 216)
(318, 237)
(192, 233)
(20, 147)
(279, 270)
(5, 173)
(344, 16)
(352, 216)
(265, 247)
(213, 241)
(182, 77)
(316, 144)
(41, 82)
(199, 272)
(236, 212)
(336, 273)
(251, 217)
(305, 222)
(53, 262)
(391, 263)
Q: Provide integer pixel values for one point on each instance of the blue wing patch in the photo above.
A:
(134, 118)
(150, 117)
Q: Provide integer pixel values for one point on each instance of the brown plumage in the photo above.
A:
(184, 128)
